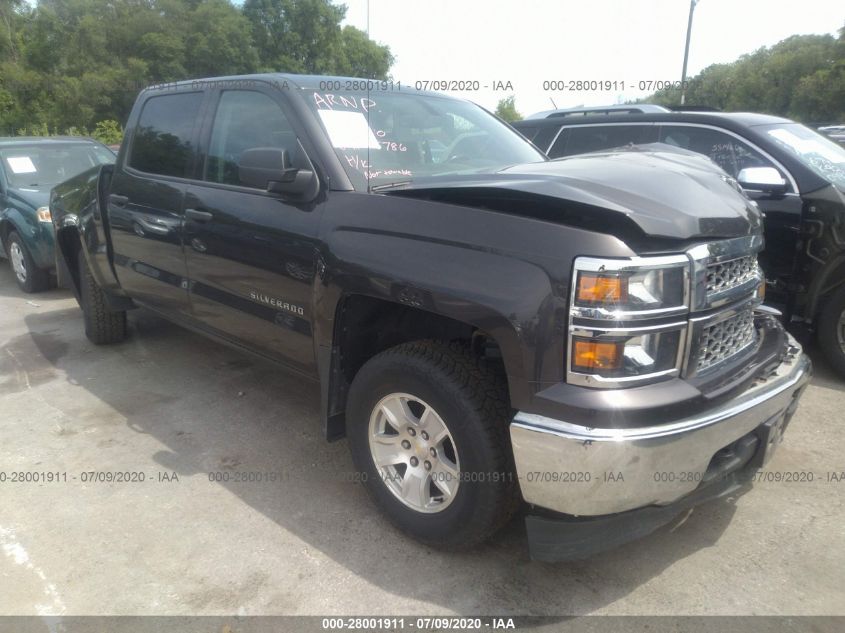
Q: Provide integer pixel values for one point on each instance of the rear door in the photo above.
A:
(145, 205)
(251, 254)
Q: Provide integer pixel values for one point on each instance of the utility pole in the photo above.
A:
(692, 4)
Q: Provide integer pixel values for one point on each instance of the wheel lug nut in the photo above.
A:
(414, 462)
(424, 435)
(406, 444)
(433, 452)
(411, 431)
(427, 465)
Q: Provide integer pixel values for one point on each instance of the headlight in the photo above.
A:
(644, 287)
(43, 214)
(606, 355)
(611, 343)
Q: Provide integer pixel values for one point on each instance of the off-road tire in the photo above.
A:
(470, 395)
(829, 334)
(102, 326)
(37, 279)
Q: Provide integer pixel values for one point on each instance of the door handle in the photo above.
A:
(118, 201)
(198, 216)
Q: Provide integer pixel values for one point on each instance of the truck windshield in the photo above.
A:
(821, 155)
(389, 137)
(40, 166)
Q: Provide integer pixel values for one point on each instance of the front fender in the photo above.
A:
(506, 274)
(518, 311)
(37, 236)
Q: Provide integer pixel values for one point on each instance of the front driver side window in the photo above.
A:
(245, 120)
(725, 150)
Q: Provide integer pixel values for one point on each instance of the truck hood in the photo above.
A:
(664, 191)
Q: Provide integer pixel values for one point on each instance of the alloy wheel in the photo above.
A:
(414, 452)
(18, 261)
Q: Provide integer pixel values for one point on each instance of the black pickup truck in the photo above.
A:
(489, 328)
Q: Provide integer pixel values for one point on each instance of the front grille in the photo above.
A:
(723, 276)
(722, 340)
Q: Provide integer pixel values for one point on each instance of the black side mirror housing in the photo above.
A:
(270, 169)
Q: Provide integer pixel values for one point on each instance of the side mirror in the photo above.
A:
(270, 169)
(765, 179)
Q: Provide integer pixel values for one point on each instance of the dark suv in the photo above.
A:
(796, 176)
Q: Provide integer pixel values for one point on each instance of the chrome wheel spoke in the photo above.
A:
(415, 488)
(445, 477)
(397, 413)
(387, 451)
(434, 426)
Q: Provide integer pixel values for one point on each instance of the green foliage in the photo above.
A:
(304, 36)
(108, 132)
(69, 64)
(801, 77)
(506, 109)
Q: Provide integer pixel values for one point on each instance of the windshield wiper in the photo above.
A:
(390, 185)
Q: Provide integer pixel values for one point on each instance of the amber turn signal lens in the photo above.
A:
(761, 291)
(593, 288)
(592, 355)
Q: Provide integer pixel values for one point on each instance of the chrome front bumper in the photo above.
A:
(585, 471)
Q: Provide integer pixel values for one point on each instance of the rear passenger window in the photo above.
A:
(592, 138)
(245, 120)
(163, 141)
(727, 151)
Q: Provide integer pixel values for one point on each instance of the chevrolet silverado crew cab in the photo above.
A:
(489, 328)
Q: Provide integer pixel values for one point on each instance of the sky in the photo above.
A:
(527, 43)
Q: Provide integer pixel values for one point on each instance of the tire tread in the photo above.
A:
(102, 326)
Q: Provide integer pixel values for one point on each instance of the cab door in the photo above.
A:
(251, 253)
(146, 201)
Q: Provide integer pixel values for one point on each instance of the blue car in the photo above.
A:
(29, 168)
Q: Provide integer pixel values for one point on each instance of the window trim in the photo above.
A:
(629, 124)
(130, 145)
(215, 96)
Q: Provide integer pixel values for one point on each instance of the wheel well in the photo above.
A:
(6, 227)
(366, 326)
(833, 281)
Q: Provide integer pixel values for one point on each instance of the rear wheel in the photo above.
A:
(832, 330)
(102, 326)
(30, 278)
(428, 430)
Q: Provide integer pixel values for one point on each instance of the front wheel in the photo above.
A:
(428, 430)
(831, 330)
(30, 278)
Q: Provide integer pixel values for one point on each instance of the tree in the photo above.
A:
(304, 36)
(69, 64)
(801, 77)
(506, 109)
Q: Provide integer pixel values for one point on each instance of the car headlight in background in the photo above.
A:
(43, 214)
(610, 343)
